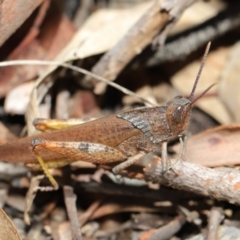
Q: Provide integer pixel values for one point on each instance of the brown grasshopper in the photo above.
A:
(124, 137)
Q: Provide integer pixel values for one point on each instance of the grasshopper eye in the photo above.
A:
(178, 114)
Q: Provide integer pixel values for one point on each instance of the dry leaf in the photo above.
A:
(100, 32)
(214, 147)
(18, 98)
(229, 83)
(106, 27)
(198, 13)
(48, 34)
(91, 39)
(10, 21)
(7, 229)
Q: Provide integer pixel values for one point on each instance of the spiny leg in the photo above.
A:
(131, 160)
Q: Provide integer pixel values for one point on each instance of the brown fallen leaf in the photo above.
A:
(49, 33)
(214, 147)
(10, 21)
(7, 229)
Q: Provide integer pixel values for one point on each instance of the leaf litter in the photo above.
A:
(110, 208)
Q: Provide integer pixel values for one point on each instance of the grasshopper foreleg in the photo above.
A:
(165, 163)
(164, 156)
(183, 141)
(131, 160)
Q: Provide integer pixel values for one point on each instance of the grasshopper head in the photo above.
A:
(178, 114)
(179, 109)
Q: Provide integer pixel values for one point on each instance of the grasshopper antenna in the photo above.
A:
(203, 93)
(199, 73)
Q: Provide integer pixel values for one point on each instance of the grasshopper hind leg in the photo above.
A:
(67, 152)
(44, 165)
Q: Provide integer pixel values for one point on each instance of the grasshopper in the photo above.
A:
(125, 137)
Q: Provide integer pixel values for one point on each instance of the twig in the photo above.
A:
(156, 19)
(215, 218)
(31, 194)
(89, 212)
(175, 9)
(137, 38)
(222, 184)
(70, 202)
(110, 189)
(82, 12)
(167, 231)
(181, 45)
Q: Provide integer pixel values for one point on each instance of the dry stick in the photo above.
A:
(70, 202)
(154, 20)
(82, 12)
(222, 184)
(175, 8)
(167, 231)
(84, 217)
(139, 36)
(162, 194)
(215, 218)
(184, 43)
(31, 194)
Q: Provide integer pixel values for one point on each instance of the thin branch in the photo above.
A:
(70, 202)
(219, 183)
(175, 9)
(136, 39)
(215, 218)
(82, 12)
(181, 45)
(157, 20)
(167, 231)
